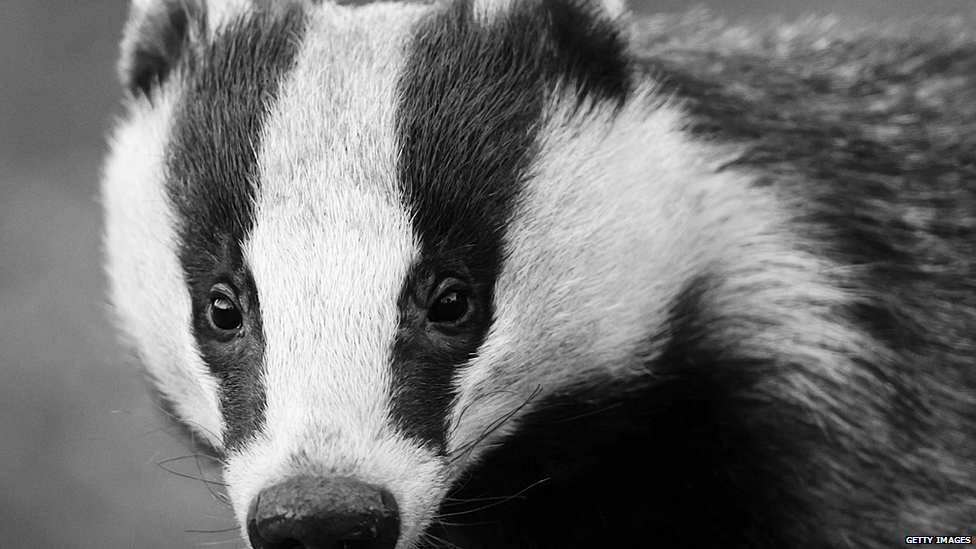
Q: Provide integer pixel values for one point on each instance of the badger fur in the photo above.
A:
(530, 274)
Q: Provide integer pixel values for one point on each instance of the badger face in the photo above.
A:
(361, 249)
(309, 212)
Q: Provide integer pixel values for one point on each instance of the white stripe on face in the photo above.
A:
(329, 253)
(141, 248)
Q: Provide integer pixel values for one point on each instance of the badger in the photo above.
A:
(540, 274)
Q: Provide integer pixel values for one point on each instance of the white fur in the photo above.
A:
(141, 253)
(219, 12)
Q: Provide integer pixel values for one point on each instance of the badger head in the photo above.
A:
(357, 247)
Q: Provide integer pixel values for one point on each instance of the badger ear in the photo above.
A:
(159, 36)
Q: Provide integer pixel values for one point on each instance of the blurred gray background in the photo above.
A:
(86, 458)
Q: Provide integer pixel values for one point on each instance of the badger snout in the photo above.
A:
(323, 513)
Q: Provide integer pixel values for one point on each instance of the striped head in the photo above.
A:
(355, 245)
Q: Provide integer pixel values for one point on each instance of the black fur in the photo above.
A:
(471, 102)
(212, 181)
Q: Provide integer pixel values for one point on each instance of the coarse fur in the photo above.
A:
(719, 282)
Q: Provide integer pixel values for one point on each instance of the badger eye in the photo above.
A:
(223, 312)
(450, 307)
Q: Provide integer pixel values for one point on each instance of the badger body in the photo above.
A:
(529, 275)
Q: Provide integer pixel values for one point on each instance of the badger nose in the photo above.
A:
(323, 513)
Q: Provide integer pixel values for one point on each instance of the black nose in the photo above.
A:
(323, 513)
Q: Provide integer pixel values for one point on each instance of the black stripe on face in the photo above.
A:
(471, 103)
(213, 177)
